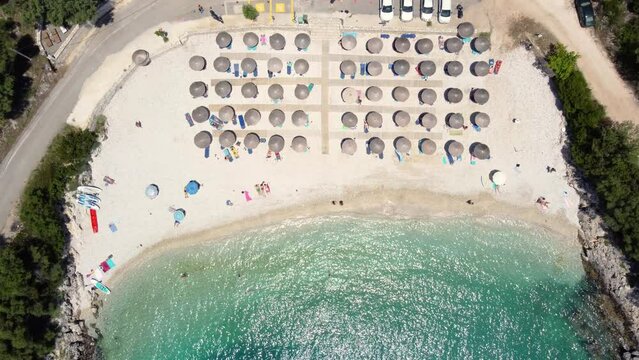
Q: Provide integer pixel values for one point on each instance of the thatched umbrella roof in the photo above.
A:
(299, 144)
(401, 118)
(498, 177)
(481, 119)
(248, 65)
(349, 95)
(299, 118)
(203, 139)
(400, 94)
(402, 144)
(401, 67)
(251, 39)
(480, 151)
(249, 90)
(427, 146)
(424, 46)
(453, 45)
(349, 119)
(251, 140)
(227, 138)
(348, 42)
(374, 119)
(427, 68)
(274, 65)
(480, 44)
(302, 41)
(276, 92)
(374, 45)
(428, 120)
(227, 113)
(152, 191)
(349, 146)
(276, 117)
(301, 91)
(141, 57)
(455, 148)
(455, 120)
(454, 68)
(200, 114)
(465, 30)
(376, 145)
(374, 93)
(197, 89)
(348, 67)
(277, 41)
(480, 96)
(480, 68)
(301, 66)
(401, 45)
(223, 39)
(374, 68)
(252, 117)
(197, 63)
(453, 95)
(223, 89)
(427, 96)
(276, 143)
(221, 64)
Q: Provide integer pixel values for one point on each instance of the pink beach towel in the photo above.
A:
(247, 196)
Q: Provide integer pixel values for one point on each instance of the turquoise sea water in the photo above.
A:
(360, 288)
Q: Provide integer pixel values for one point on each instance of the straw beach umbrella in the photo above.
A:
(349, 120)
(249, 90)
(376, 145)
(401, 118)
(252, 117)
(480, 151)
(427, 146)
(400, 94)
(348, 42)
(223, 39)
(302, 41)
(227, 113)
(227, 138)
(301, 66)
(203, 139)
(374, 68)
(424, 46)
(276, 143)
(374, 93)
(197, 63)
(455, 120)
(401, 45)
(480, 96)
(453, 95)
(299, 144)
(250, 39)
(251, 140)
(274, 65)
(401, 67)
(498, 178)
(427, 68)
(402, 144)
(221, 64)
(348, 67)
(453, 45)
(455, 148)
(349, 146)
(374, 45)
(428, 120)
(277, 41)
(465, 30)
(223, 89)
(349, 95)
(276, 92)
(152, 191)
(248, 65)
(200, 114)
(276, 118)
(427, 96)
(481, 119)
(480, 44)
(299, 118)
(141, 57)
(374, 119)
(198, 89)
(301, 91)
(454, 68)
(480, 68)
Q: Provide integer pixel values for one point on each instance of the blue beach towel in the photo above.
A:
(227, 155)
(110, 261)
(242, 123)
(207, 152)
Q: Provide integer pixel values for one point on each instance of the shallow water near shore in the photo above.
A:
(353, 287)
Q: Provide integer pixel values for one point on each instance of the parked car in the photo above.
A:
(445, 10)
(386, 10)
(585, 12)
(407, 10)
(427, 10)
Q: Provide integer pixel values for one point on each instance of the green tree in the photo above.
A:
(7, 56)
(562, 62)
(250, 12)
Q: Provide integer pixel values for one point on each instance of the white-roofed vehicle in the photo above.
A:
(386, 10)
(406, 13)
(445, 11)
(427, 10)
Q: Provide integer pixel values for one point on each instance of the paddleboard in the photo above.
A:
(89, 204)
(89, 189)
(89, 197)
(94, 220)
(100, 286)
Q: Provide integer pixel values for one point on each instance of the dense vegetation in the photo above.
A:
(56, 12)
(33, 264)
(606, 152)
(250, 12)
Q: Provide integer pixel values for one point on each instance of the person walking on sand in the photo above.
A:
(247, 196)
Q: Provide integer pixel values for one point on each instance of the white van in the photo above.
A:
(407, 10)
(445, 11)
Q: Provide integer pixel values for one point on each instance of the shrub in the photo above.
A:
(562, 62)
(250, 12)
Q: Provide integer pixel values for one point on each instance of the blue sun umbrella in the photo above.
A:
(192, 187)
(179, 215)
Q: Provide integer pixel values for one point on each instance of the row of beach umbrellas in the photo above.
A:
(227, 138)
(277, 41)
(422, 46)
(249, 90)
(252, 116)
(426, 95)
(428, 120)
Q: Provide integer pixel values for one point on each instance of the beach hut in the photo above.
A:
(349, 95)
(427, 96)
(480, 68)
(227, 113)
(401, 45)
(276, 143)
(480, 96)
(400, 94)
(374, 68)
(454, 68)
(374, 45)
(453, 45)
(249, 90)
(302, 41)
(427, 68)
(203, 139)
(424, 46)
(348, 67)
(299, 144)
(498, 177)
(480, 151)
(301, 66)
(480, 44)
(454, 148)
(223, 40)
(348, 42)
(192, 187)
(274, 65)
(401, 67)
(428, 120)
(248, 65)
(251, 39)
(374, 119)
(223, 89)
(227, 138)
(141, 57)
(152, 191)
(197, 63)
(427, 146)
(455, 120)
(349, 146)
(301, 91)
(349, 120)
(251, 140)
(376, 145)
(402, 144)
(299, 118)
(276, 118)
(453, 95)
(401, 118)
(221, 64)
(197, 89)
(252, 117)
(276, 92)
(277, 41)
(374, 93)
(200, 114)
(465, 30)
(480, 119)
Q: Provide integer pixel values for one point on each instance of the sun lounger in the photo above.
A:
(94, 220)
(341, 75)
(250, 151)
(278, 156)
(362, 69)
(255, 72)
(207, 152)
(310, 87)
(252, 48)
(234, 152)
(269, 154)
(113, 228)
(244, 74)
(381, 155)
(189, 119)
(440, 40)
(399, 156)
(242, 123)
(408, 36)
(263, 39)
(368, 149)
(384, 36)
(497, 67)
(352, 76)
(236, 70)
(270, 74)
(349, 33)
(227, 155)
(104, 267)
(491, 63)
(288, 68)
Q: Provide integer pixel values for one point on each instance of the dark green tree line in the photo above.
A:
(56, 12)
